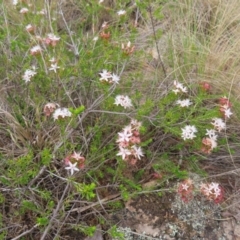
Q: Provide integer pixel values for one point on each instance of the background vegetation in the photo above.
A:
(152, 46)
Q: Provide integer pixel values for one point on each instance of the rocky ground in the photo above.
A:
(149, 216)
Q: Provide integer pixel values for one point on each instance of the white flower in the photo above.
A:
(123, 152)
(205, 189)
(24, 10)
(72, 167)
(95, 39)
(29, 27)
(36, 49)
(121, 12)
(213, 143)
(61, 113)
(188, 132)
(227, 112)
(124, 136)
(218, 124)
(137, 152)
(215, 189)
(54, 67)
(124, 101)
(15, 2)
(185, 186)
(105, 75)
(179, 87)
(212, 134)
(184, 103)
(100, 1)
(29, 73)
(135, 124)
(53, 37)
(115, 78)
(211, 189)
(77, 156)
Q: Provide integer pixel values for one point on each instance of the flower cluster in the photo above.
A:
(61, 113)
(103, 34)
(106, 76)
(30, 28)
(128, 49)
(209, 142)
(184, 103)
(74, 162)
(54, 67)
(35, 50)
(206, 87)
(185, 190)
(29, 73)
(188, 132)
(128, 141)
(225, 107)
(51, 40)
(212, 191)
(49, 108)
(58, 113)
(124, 101)
(218, 124)
(178, 87)
(121, 12)
(15, 2)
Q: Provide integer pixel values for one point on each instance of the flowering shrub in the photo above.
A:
(211, 191)
(128, 141)
(71, 84)
(185, 190)
(74, 162)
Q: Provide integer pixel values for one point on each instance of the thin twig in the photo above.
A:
(101, 201)
(155, 39)
(55, 212)
(26, 232)
(75, 47)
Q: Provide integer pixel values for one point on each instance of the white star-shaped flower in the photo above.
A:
(115, 78)
(124, 101)
(54, 67)
(188, 132)
(135, 124)
(15, 2)
(123, 152)
(124, 136)
(185, 186)
(227, 112)
(121, 12)
(137, 152)
(179, 87)
(105, 75)
(72, 167)
(184, 103)
(212, 134)
(219, 124)
(29, 73)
